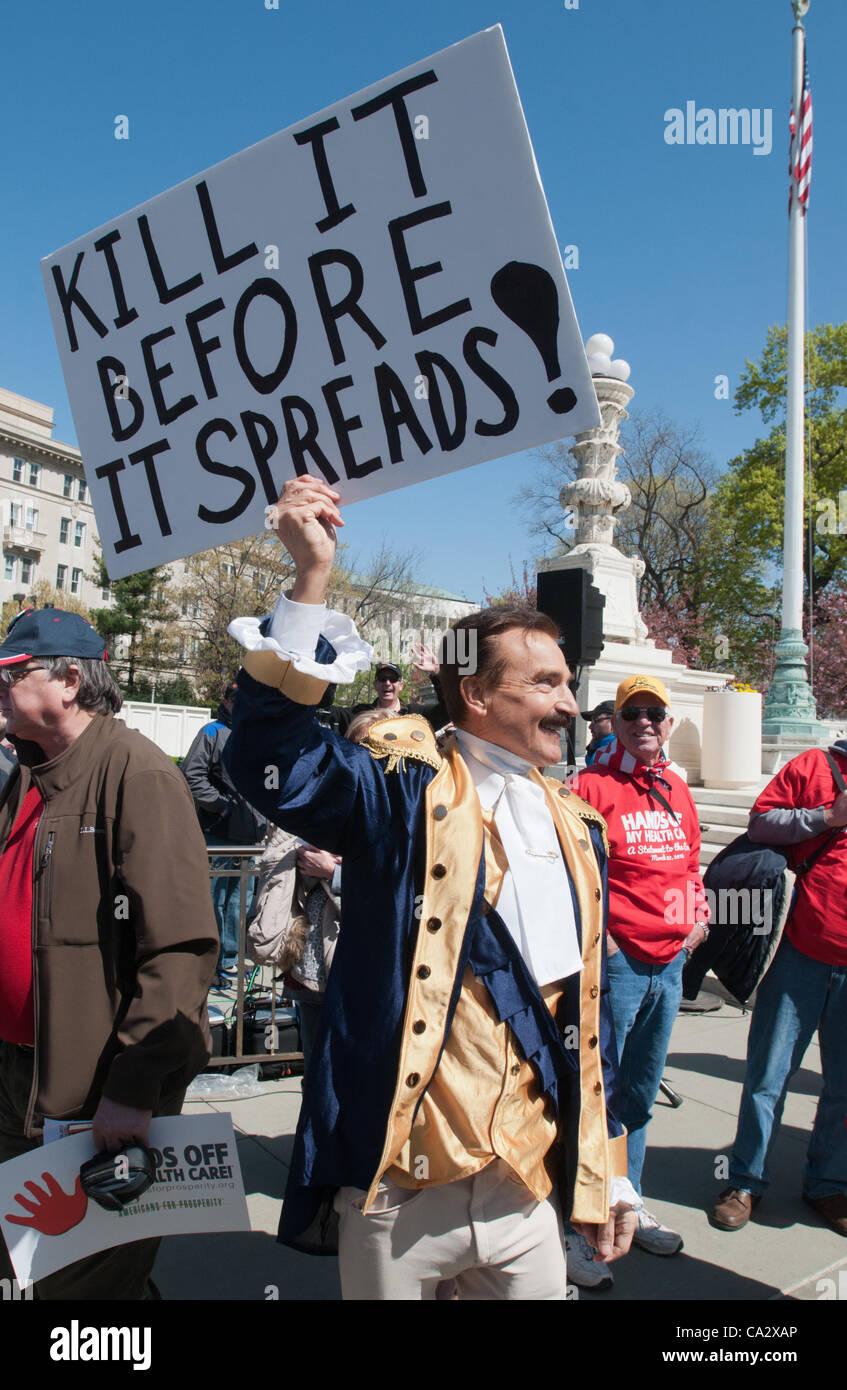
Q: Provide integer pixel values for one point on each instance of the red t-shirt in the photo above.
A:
(818, 923)
(17, 1017)
(654, 869)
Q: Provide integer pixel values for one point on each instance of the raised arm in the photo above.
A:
(299, 774)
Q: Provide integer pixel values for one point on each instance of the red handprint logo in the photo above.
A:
(52, 1211)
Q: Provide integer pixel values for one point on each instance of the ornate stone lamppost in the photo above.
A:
(597, 496)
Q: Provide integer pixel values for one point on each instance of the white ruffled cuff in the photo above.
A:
(623, 1191)
(293, 634)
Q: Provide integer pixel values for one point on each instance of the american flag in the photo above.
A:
(800, 155)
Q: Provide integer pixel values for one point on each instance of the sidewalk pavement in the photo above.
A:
(783, 1252)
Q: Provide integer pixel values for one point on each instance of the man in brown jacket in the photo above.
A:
(107, 934)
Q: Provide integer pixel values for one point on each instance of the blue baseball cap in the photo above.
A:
(50, 632)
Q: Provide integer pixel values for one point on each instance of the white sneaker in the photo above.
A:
(652, 1236)
(583, 1269)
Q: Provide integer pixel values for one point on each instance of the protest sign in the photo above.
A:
(47, 1221)
(374, 296)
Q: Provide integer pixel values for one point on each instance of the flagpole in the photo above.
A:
(789, 708)
(792, 591)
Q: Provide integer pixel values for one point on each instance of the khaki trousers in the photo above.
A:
(487, 1233)
(120, 1273)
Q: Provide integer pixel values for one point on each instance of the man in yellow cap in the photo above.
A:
(657, 908)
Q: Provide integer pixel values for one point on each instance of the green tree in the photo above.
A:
(144, 615)
(750, 497)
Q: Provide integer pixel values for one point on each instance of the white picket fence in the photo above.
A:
(171, 727)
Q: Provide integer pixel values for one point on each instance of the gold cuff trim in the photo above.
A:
(270, 669)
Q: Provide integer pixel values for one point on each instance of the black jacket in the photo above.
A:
(222, 811)
(342, 716)
(749, 889)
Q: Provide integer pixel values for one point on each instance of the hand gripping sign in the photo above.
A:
(48, 1222)
(374, 295)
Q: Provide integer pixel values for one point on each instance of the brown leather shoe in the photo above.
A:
(732, 1209)
(832, 1210)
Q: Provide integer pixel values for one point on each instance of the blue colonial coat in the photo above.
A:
(409, 829)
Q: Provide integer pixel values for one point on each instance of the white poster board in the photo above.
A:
(198, 1188)
(374, 296)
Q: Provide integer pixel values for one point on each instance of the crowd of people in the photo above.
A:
(486, 969)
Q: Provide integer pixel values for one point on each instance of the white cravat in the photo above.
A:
(535, 899)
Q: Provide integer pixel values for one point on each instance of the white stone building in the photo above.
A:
(420, 613)
(47, 519)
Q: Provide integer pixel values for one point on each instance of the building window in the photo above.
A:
(17, 470)
(83, 491)
(64, 530)
(76, 577)
(15, 513)
(34, 471)
(79, 534)
(61, 576)
(32, 518)
(9, 570)
(68, 485)
(27, 567)
(106, 593)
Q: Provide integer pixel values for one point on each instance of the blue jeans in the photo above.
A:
(797, 996)
(226, 900)
(645, 1001)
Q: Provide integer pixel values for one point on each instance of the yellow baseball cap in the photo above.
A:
(638, 685)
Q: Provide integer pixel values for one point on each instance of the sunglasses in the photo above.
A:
(10, 675)
(655, 713)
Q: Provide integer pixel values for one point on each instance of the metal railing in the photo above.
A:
(245, 872)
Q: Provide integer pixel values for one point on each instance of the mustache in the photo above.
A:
(558, 721)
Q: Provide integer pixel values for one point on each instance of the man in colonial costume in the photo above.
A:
(461, 1099)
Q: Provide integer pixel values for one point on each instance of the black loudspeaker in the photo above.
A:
(571, 600)
(221, 1033)
(283, 1035)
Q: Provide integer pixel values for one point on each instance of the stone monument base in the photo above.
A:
(685, 691)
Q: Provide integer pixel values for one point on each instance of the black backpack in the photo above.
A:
(745, 931)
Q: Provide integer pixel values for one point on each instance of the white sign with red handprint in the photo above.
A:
(47, 1221)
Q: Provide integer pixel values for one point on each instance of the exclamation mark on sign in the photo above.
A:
(527, 295)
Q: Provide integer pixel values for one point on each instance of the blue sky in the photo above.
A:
(682, 249)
